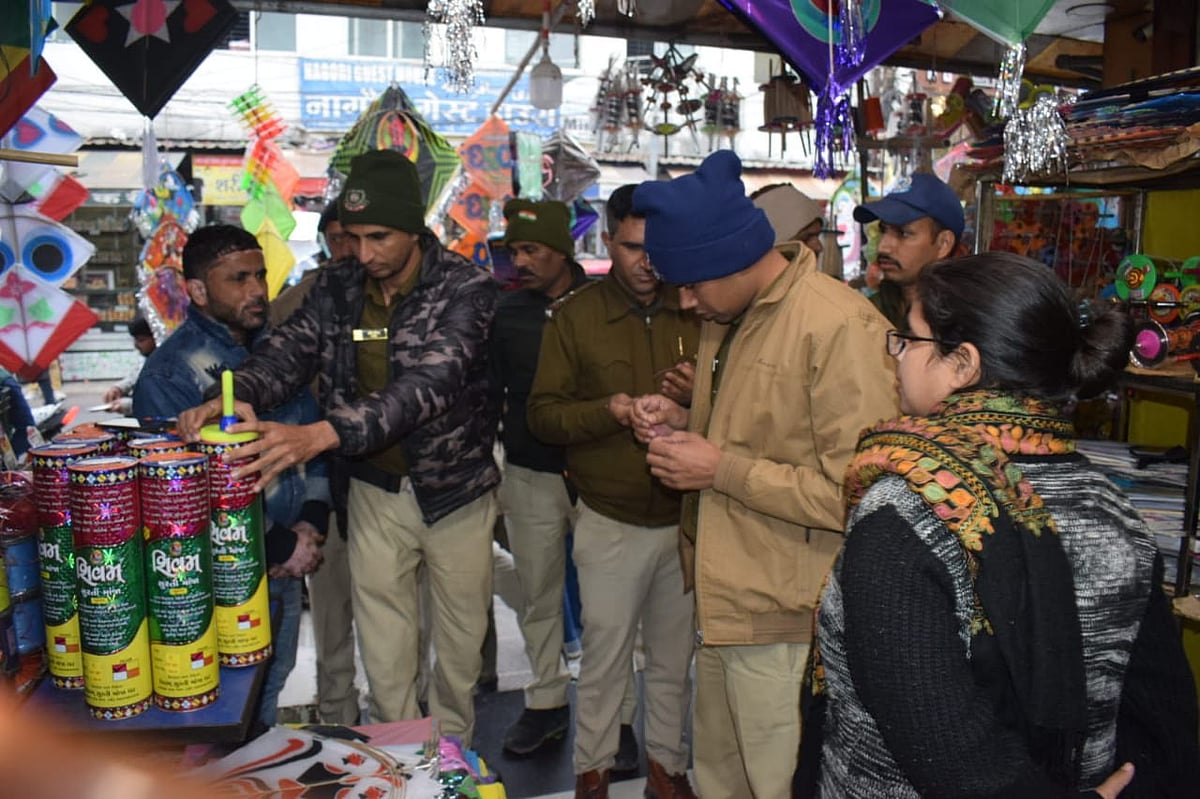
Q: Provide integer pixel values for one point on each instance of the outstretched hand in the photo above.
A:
(278, 447)
(191, 420)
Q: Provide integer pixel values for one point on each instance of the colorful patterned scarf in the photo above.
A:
(957, 461)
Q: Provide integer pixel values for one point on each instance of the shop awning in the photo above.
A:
(115, 169)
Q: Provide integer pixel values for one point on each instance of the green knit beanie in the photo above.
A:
(383, 189)
(547, 222)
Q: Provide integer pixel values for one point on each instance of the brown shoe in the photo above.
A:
(592, 784)
(661, 785)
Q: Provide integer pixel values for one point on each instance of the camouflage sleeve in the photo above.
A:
(452, 344)
(556, 413)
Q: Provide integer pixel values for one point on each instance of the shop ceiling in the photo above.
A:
(1066, 49)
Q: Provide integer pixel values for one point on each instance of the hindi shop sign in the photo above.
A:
(335, 92)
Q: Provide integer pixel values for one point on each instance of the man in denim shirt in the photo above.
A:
(223, 266)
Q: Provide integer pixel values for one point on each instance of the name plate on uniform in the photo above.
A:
(370, 334)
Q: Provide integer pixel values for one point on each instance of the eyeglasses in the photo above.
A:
(897, 342)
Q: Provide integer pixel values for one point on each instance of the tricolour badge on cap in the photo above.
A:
(528, 216)
(355, 200)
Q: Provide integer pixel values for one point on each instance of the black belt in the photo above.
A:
(380, 478)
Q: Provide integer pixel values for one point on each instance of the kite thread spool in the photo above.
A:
(56, 553)
(179, 597)
(239, 554)
(113, 629)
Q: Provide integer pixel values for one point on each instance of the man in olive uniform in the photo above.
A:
(605, 345)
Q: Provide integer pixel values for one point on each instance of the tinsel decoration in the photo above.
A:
(852, 34)
(833, 125)
(457, 67)
(585, 10)
(1035, 141)
(834, 129)
(1008, 88)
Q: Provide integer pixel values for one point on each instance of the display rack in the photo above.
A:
(1186, 387)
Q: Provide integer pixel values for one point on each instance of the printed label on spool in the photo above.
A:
(142, 447)
(113, 629)
(64, 654)
(240, 586)
(104, 500)
(183, 634)
(51, 480)
(60, 606)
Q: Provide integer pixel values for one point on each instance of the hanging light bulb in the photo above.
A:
(545, 79)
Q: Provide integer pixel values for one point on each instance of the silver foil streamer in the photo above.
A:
(1035, 142)
(1008, 90)
(457, 67)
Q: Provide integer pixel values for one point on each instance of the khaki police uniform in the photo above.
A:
(597, 344)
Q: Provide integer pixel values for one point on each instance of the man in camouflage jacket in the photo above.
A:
(397, 339)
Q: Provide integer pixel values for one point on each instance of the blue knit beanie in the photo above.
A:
(702, 226)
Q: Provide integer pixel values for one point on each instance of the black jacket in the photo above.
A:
(515, 344)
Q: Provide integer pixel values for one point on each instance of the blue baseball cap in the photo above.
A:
(915, 197)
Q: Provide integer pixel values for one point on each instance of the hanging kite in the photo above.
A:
(38, 320)
(149, 48)
(834, 46)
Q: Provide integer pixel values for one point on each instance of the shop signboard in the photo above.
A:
(221, 177)
(335, 91)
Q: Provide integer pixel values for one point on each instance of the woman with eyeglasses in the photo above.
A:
(996, 625)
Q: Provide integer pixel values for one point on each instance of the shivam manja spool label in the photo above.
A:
(183, 632)
(60, 606)
(240, 585)
(113, 630)
(239, 554)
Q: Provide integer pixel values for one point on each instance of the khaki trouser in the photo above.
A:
(387, 542)
(537, 515)
(333, 630)
(747, 725)
(628, 574)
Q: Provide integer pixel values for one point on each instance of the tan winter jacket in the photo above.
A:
(807, 371)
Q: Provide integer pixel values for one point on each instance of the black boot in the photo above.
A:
(536, 728)
(627, 751)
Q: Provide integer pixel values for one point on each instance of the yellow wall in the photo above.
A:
(1171, 229)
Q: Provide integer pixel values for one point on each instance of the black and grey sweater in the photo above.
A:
(905, 713)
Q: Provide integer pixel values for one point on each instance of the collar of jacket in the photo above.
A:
(219, 331)
(434, 259)
(578, 278)
(801, 266)
(618, 303)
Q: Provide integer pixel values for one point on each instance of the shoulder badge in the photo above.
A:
(558, 304)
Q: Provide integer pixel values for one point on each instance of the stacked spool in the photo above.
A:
(183, 634)
(19, 546)
(153, 570)
(144, 447)
(56, 551)
(239, 553)
(111, 582)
